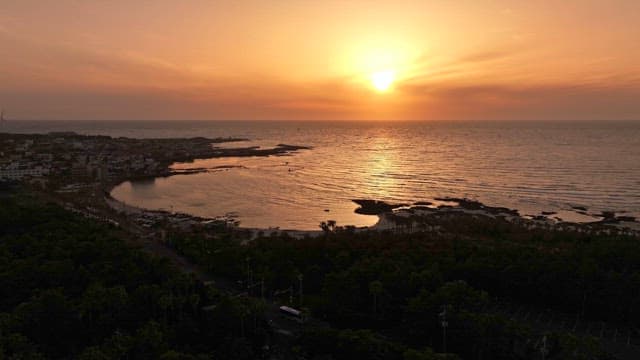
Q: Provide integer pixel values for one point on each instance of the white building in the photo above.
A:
(16, 171)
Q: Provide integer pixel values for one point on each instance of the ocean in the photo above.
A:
(525, 165)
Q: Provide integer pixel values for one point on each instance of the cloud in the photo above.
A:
(262, 99)
(487, 56)
(567, 101)
(493, 84)
(427, 68)
(36, 64)
(65, 82)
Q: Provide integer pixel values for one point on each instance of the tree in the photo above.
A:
(375, 289)
(149, 341)
(93, 353)
(427, 354)
(328, 226)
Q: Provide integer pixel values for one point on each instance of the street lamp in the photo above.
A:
(544, 351)
(300, 277)
(248, 259)
(445, 324)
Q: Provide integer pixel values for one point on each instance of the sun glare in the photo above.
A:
(382, 80)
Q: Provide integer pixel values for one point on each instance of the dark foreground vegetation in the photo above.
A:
(72, 288)
(389, 290)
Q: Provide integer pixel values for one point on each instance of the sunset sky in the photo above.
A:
(201, 59)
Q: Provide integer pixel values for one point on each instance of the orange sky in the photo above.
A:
(200, 59)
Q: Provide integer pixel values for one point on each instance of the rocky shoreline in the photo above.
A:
(411, 217)
(422, 216)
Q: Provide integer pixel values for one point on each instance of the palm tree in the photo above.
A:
(165, 302)
(242, 310)
(375, 289)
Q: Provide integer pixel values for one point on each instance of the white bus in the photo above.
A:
(291, 312)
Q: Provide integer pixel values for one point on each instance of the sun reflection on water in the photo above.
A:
(382, 158)
(500, 165)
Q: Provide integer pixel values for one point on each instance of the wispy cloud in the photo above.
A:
(600, 101)
(130, 84)
(428, 69)
(487, 56)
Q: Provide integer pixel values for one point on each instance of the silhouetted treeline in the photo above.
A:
(399, 284)
(72, 288)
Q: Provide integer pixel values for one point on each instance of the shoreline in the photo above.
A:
(157, 156)
(417, 217)
(407, 217)
(392, 217)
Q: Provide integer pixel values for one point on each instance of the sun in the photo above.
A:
(382, 80)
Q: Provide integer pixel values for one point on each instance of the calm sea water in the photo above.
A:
(530, 166)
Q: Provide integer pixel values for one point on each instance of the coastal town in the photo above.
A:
(79, 171)
(64, 159)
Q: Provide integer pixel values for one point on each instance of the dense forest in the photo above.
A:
(398, 284)
(75, 288)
